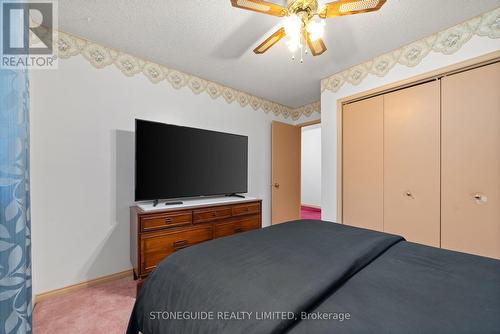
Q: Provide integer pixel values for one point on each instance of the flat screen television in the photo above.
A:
(176, 161)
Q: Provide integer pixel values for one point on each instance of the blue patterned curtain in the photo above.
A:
(15, 229)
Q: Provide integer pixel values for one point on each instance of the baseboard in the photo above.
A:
(93, 282)
(310, 206)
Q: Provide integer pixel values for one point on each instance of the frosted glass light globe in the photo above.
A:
(316, 30)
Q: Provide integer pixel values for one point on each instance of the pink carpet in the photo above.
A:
(101, 309)
(307, 212)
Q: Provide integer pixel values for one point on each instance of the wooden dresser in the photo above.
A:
(156, 234)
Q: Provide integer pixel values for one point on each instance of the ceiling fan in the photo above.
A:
(300, 26)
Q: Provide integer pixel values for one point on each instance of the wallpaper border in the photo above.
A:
(446, 42)
(100, 57)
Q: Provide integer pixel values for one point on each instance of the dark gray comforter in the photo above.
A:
(416, 289)
(265, 281)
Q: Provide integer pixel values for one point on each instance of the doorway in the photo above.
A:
(310, 179)
(296, 172)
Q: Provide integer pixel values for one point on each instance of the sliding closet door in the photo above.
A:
(412, 163)
(362, 170)
(471, 161)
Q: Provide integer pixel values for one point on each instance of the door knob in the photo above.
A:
(276, 185)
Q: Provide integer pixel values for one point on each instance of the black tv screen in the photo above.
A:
(175, 161)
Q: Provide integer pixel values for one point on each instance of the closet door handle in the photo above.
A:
(409, 194)
(480, 198)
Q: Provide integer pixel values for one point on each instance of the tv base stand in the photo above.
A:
(235, 195)
(174, 202)
(155, 203)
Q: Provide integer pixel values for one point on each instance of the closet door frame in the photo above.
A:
(486, 59)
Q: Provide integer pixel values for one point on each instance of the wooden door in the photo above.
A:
(362, 163)
(412, 163)
(285, 172)
(471, 161)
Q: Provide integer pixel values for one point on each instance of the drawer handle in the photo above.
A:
(238, 230)
(213, 214)
(168, 220)
(180, 244)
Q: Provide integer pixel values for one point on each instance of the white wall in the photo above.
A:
(82, 162)
(477, 46)
(311, 165)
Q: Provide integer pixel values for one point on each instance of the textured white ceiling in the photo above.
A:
(213, 40)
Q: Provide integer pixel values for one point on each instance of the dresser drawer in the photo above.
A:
(206, 215)
(165, 220)
(246, 209)
(239, 226)
(156, 246)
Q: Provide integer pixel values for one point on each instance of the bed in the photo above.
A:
(319, 277)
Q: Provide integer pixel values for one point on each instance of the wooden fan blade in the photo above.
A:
(317, 47)
(261, 7)
(270, 41)
(350, 7)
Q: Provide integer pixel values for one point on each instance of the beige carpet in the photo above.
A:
(101, 309)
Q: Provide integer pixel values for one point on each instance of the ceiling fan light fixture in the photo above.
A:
(293, 26)
(301, 27)
(316, 30)
(293, 30)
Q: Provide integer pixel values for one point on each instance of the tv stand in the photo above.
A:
(159, 233)
(235, 195)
